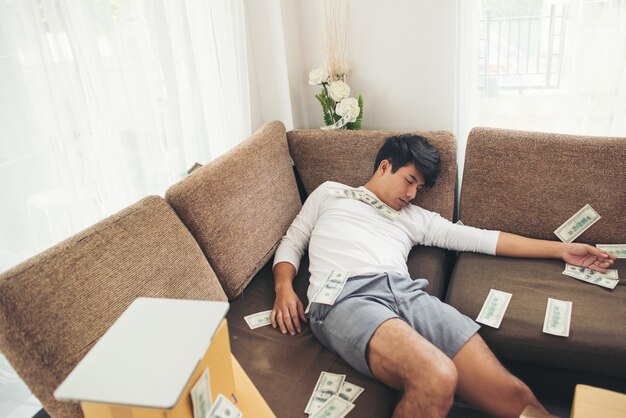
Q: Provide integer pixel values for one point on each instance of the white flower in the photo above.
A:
(338, 90)
(349, 107)
(318, 76)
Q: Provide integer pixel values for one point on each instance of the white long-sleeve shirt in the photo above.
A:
(345, 234)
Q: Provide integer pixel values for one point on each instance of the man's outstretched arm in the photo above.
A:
(288, 309)
(574, 253)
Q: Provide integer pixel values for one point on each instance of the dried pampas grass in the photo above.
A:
(336, 22)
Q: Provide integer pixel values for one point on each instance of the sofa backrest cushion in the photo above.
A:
(56, 305)
(530, 183)
(240, 205)
(348, 157)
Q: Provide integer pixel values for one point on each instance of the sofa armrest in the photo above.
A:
(56, 305)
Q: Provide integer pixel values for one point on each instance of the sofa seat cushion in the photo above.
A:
(597, 340)
(240, 205)
(433, 264)
(285, 368)
(55, 306)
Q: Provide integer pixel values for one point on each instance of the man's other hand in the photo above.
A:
(587, 256)
(288, 311)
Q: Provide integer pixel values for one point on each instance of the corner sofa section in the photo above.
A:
(529, 183)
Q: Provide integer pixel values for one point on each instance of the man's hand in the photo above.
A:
(288, 311)
(587, 256)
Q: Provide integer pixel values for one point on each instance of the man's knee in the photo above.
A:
(441, 380)
(520, 391)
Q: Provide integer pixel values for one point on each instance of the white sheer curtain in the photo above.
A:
(104, 102)
(541, 65)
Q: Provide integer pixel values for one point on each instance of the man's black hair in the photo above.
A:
(406, 149)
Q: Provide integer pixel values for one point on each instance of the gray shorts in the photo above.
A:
(367, 301)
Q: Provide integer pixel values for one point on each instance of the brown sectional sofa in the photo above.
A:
(214, 234)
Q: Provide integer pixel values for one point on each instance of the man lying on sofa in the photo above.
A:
(383, 323)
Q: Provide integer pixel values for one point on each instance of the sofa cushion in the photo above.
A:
(433, 264)
(348, 157)
(596, 342)
(56, 305)
(240, 205)
(529, 183)
(285, 368)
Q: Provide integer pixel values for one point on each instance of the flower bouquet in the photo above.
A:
(340, 110)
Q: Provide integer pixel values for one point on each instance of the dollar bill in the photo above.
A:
(577, 224)
(610, 274)
(619, 250)
(350, 391)
(259, 319)
(335, 407)
(377, 204)
(494, 308)
(364, 196)
(558, 317)
(224, 408)
(332, 287)
(345, 192)
(328, 384)
(338, 191)
(592, 277)
(201, 395)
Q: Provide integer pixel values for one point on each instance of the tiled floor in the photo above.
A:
(16, 401)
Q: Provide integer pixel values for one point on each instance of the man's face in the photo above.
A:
(399, 188)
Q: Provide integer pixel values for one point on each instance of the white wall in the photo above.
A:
(402, 55)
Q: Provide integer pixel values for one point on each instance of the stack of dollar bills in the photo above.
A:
(201, 401)
(332, 397)
(608, 279)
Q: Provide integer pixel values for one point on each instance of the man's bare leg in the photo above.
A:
(404, 360)
(486, 384)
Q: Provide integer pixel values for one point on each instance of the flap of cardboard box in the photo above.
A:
(147, 356)
(592, 402)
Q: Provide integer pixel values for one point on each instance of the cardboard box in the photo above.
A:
(151, 357)
(592, 402)
(249, 400)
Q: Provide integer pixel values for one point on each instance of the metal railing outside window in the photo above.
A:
(520, 53)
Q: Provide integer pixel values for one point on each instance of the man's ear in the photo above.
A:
(384, 166)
